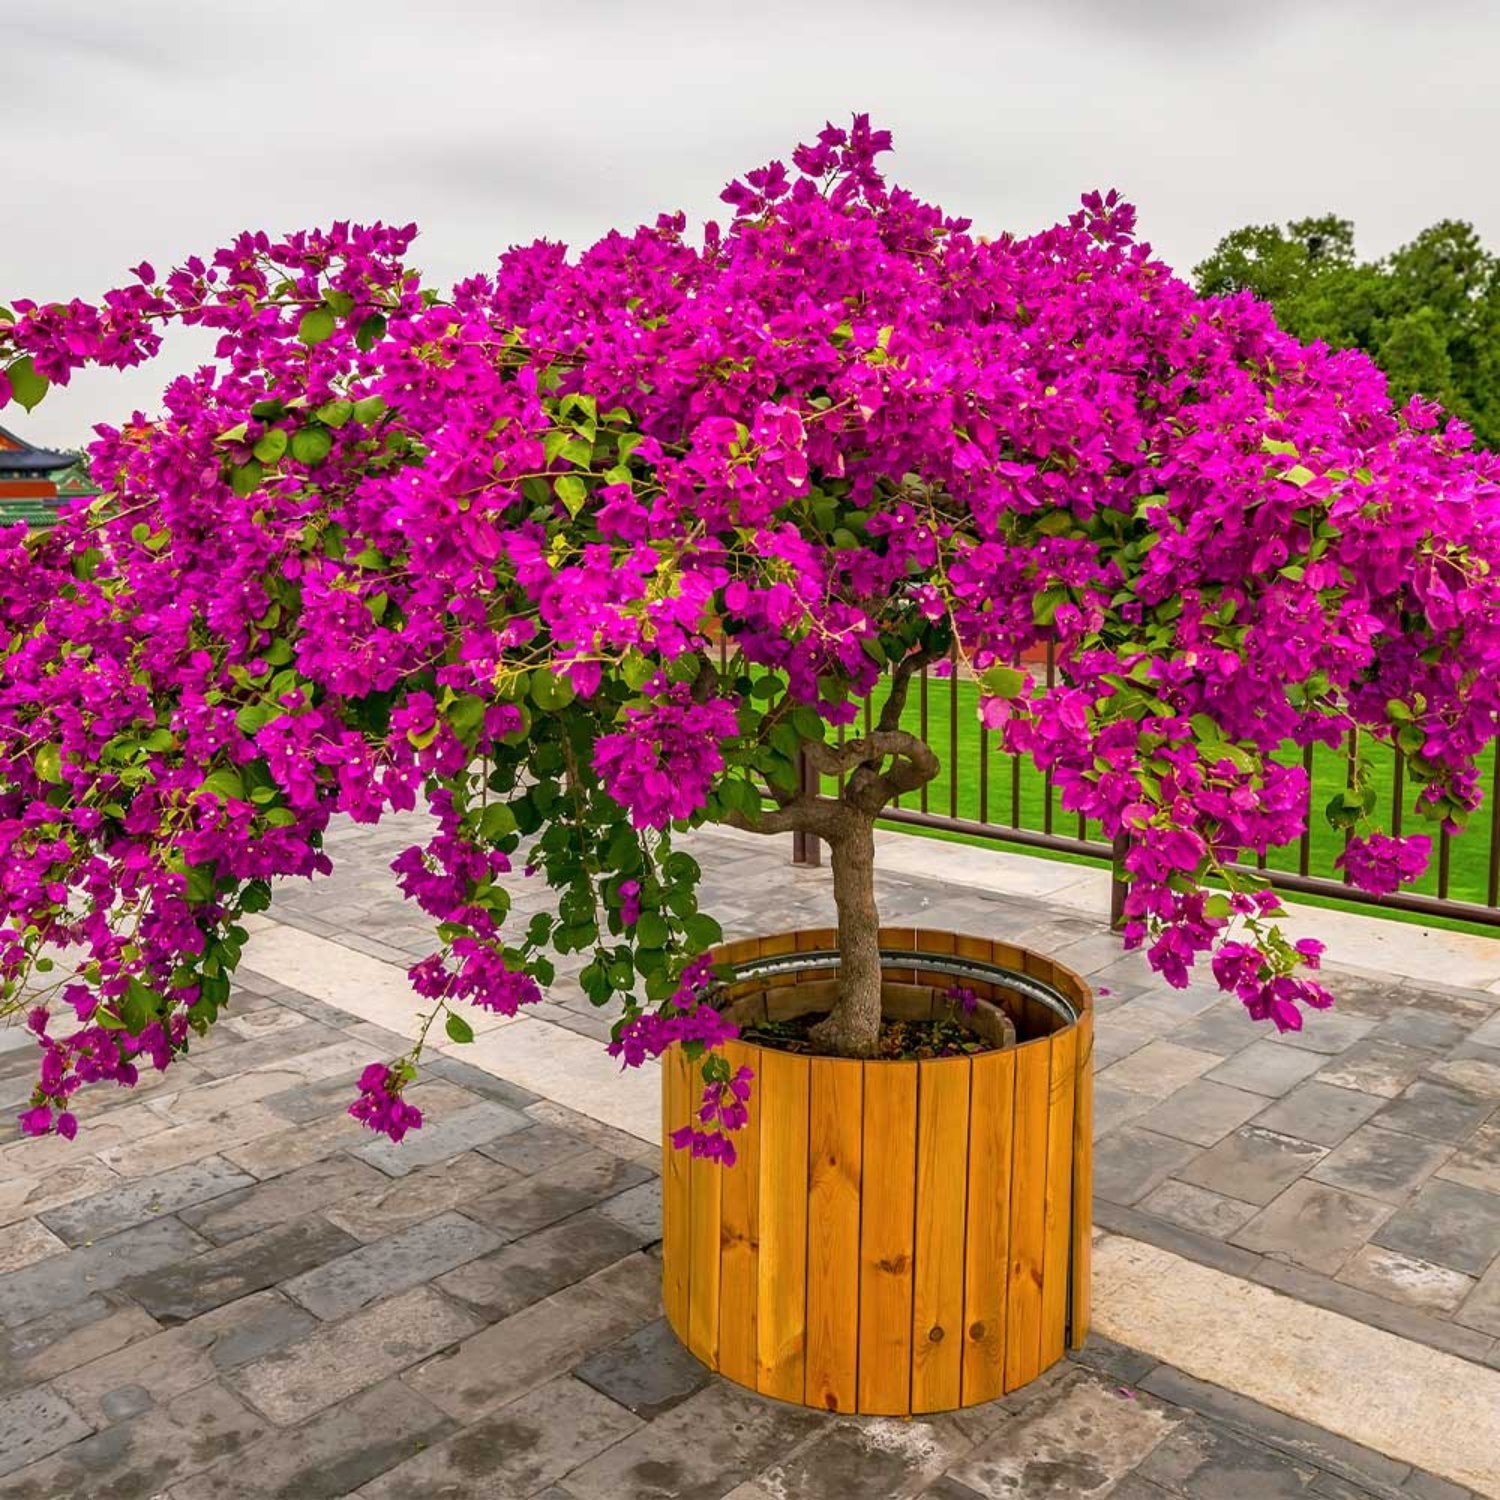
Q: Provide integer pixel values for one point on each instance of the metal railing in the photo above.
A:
(985, 796)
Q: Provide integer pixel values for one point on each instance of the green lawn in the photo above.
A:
(1014, 794)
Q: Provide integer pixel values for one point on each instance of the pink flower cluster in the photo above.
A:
(380, 1105)
(1380, 864)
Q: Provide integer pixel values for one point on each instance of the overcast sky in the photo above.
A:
(155, 128)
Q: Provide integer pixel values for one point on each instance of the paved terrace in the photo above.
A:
(226, 1288)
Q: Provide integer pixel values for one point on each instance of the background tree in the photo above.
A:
(1428, 315)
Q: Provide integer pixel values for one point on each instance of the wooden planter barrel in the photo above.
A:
(896, 1237)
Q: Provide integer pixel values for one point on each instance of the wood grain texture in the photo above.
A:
(835, 1149)
(675, 1193)
(942, 1186)
(887, 1237)
(739, 1216)
(1023, 1330)
(1057, 1230)
(992, 1094)
(781, 1264)
(1081, 1272)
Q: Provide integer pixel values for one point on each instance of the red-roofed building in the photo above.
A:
(29, 481)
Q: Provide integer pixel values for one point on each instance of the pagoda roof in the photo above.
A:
(17, 456)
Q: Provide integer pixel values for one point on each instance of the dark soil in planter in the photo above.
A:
(900, 1041)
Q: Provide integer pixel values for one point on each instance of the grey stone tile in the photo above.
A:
(1403, 1278)
(1198, 1209)
(60, 1280)
(1328, 1032)
(178, 1293)
(284, 1151)
(1159, 1068)
(1435, 1111)
(1314, 1226)
(1476, 1163)
(133, 1203)
(704, 1447)
(316, 1100)
(647, 1372)
(1381, 1164)
(1481, 1309)
(1429, 1487)
(478, 1081)
(1319, 1112)
(637, 1210)
(1203, 1248)
(244, 1057)
(541, 1342)
(536, 1148)
(1130, 1161)
(34, 1424)
(26, 1242)
(262, 1206)
(1414, 1026)
(332, 1454)
(1203, 1112)
(529, 1269)
(1116, 1107)
(860, 1458)
(1079, 1444)
(949, 1488)
(1265, 1068)
(557, 1192)
(1468, 1069)
(192, 1354)
(73, 1335)
(1114, 1361)
(1254, 1165)
(389, 1265)
(515, 1451)
(338, 1359)
(1448, 1223)
(1225, 1028)
(138, 1459)
(1214, 1463)
(386, 1206)
(1310, 1446)
(1376, 1067)
(438, 1140)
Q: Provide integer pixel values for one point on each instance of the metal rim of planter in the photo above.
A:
(908, 958)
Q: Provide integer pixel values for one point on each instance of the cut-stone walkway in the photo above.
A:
(226, 1288)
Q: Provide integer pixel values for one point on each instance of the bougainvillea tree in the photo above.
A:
(474, 551)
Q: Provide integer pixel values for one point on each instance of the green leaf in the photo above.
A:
(312, 445)
(271, 445)
(1045, 605)
(572, 491)
(26, 385)
(1275, 445)
(200, 882)
(1218, 906)
(550, 691)
(369, 409)
(702, 932)
(317, 326)
(368, 332)
(341, 302)
(1002, 682)
(48, 763)
(457, 1028)
(651, 931)
(267, 411)
(225, 783)
(244, 479)
(498, 821)
(1298, 474)
(335, 413)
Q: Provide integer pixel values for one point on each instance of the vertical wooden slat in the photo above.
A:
(781, 1265)
(1083, 1185)
(834, 1142)
(741, 1234)
(887, 1238)
(1023, 1319)
(938, 1285)
(992, 1093)
(675, 1197)
(704, 1244)
(1057, 1230)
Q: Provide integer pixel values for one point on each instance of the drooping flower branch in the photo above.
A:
(474, 550)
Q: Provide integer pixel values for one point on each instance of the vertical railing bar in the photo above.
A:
(1445, 863)
(1493, 889)
(984, 772)
(923, 734)
(953, 730)
(1398, 793)
(1351, 751)
(1304, 853)
(1047, 778)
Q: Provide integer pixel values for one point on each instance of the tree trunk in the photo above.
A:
(853, 1027)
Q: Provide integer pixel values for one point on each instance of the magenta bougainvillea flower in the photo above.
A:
(475, 550)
